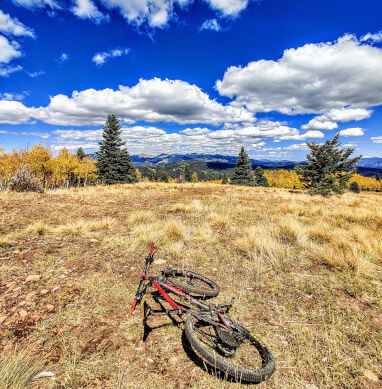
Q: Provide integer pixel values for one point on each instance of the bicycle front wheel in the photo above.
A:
(240, 355)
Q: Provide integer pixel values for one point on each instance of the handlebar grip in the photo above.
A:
(133, 307)
(151, 248)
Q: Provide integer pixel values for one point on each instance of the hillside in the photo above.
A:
(213, 170)
(305, 270)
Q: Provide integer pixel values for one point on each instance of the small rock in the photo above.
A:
(324, 359)
(44, 374)
(49, 307)
(11, 286)
(16, 251)
(34, 277)
(35, 317)
(150, 360)
(61, 276)
(30, 295)
(160, 262)
(22, 303)
(23, 313)
(93, 240)
(43, 292)
(55, 288)
(370, 375)
(214, 269)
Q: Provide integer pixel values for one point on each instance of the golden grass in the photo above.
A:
(19, 367)
(38, 228)
(174, 230)
(305, 270)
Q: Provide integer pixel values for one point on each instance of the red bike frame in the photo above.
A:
(161, 286)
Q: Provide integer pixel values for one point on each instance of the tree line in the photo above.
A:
(37, 169)
(329, 168)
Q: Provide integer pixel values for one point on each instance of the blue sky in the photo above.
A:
(192, 75)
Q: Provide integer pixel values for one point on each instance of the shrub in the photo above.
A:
(24, 181)
(354, 187)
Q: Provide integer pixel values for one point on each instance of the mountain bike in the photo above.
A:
(223, 344)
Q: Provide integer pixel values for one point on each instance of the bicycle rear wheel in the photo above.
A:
(241, 356)
(191, 282)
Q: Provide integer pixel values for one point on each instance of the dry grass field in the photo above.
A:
(306, 273)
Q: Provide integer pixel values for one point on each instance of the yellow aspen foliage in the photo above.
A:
(366, 183)
(38, 161)
(283, 179)
(170, 180)
(63, 167)
(63, 170)
(85, 171)
(195, 177)
(10, 163)
(139, 175)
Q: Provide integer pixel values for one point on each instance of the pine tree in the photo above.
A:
(328, 168)
(225, 179)
(80, 154)
(163, 177)
(354, 187)
(187, 173)
(377, 177)
(243, 171)
(114, 163)
(260, 179)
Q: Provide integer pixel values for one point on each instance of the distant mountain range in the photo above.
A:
(145, 160)
(211, 165)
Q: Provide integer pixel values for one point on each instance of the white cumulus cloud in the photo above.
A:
(36, 3)
(376, 139)
(152, 100)
(356, 131)
(86, 9)
(377, 37)
(210, 24)
(329, 119)
(156, 13)
(11, 26)
(310, 79)
(100, 58)
(14, 112)
(5, 71)
(8, 50)
(228, 7)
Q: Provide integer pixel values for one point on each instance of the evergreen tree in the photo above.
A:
(163, 177)
(243, 171)
(260, 179)
(80, 154)
(377, 177)
(225, 179)
(354, 187)
(328, 168)
(187, 173)
(114, 163)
